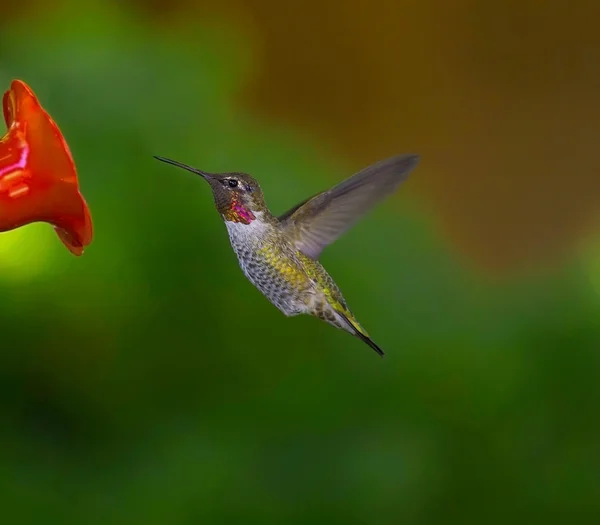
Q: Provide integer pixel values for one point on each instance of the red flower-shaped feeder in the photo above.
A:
(38, 180)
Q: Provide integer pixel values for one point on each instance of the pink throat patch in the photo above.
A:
(239, 213)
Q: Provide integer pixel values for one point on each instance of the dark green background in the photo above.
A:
(148, 382)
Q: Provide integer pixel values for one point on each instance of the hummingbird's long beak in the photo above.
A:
(203, 174)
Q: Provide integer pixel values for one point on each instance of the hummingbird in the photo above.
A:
(280, 254)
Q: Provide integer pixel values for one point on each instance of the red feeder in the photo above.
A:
(38, 180)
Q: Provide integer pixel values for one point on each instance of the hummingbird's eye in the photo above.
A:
(232, 183)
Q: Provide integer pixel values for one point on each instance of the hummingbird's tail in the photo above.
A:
(359, 332)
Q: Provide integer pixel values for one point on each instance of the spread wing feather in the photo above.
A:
(320, 220)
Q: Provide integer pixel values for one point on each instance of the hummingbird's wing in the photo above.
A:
(320, 220)
(282, 218)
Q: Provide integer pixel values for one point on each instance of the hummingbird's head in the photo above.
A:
(238, 196)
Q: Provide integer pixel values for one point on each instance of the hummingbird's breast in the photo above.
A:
(272, 264)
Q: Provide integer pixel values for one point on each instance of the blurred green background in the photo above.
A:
(148, 382)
